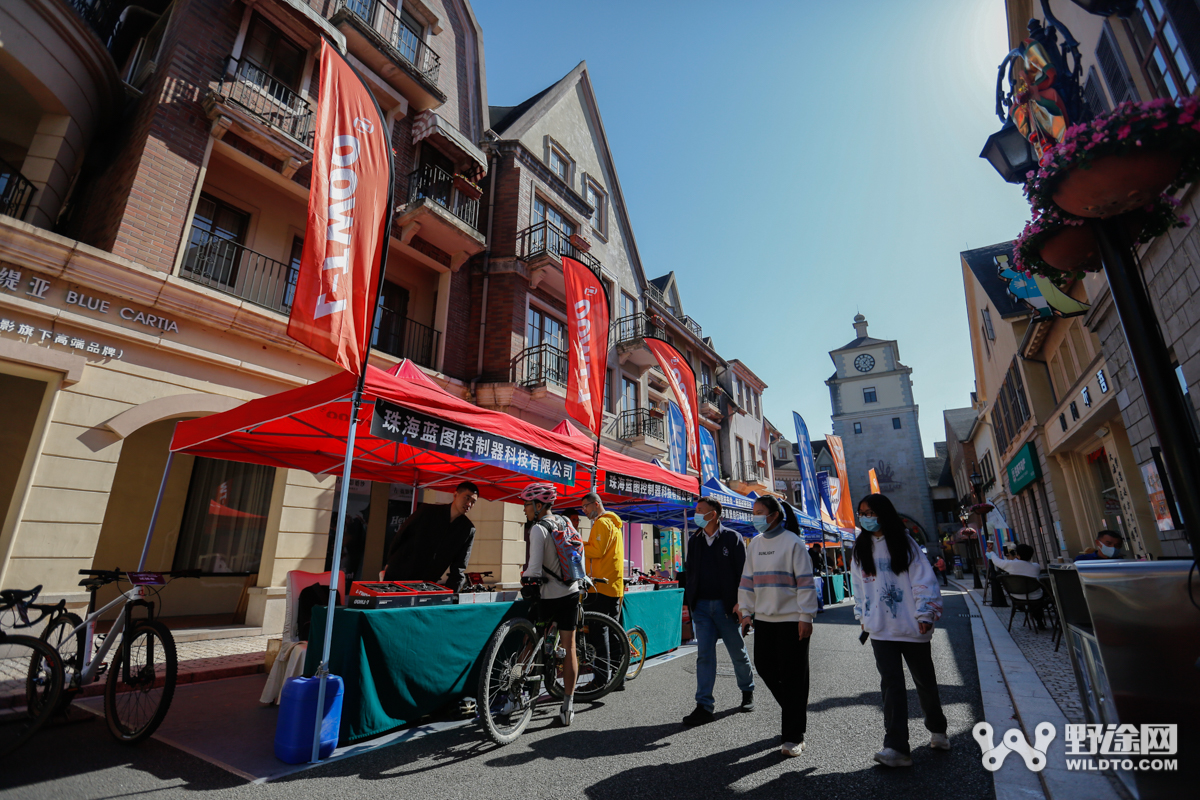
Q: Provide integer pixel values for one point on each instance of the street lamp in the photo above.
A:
(977, 483)
(1010, 153)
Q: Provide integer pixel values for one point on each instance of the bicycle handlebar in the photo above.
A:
(100, 577)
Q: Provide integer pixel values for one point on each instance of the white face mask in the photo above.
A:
(1108, 552)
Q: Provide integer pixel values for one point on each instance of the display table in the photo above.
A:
(401, 664)
(659, 614)
(839, 588)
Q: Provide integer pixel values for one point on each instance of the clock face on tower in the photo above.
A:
(864, 363)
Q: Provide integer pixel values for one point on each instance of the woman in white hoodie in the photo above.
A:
(897, 601)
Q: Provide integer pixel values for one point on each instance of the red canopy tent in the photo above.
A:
(621, 467)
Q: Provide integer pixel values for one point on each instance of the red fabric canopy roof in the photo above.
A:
(612, 461)
(305, 428)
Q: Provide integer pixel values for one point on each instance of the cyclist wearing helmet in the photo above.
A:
(559, 600)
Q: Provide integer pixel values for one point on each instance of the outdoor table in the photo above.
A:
(401, 664)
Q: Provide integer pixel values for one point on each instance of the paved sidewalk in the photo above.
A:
(1015, 696)
(1054, 669)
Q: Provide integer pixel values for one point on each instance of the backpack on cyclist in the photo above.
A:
(569, 545)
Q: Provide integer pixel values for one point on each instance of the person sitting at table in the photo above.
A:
(435, 540)
(1023, 564)
(1108, 545)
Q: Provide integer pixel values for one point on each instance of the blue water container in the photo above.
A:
(298, 713)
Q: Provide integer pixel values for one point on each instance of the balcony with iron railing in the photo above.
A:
(547, 240)
(406, 338)
(639, 424)
(709, 395)
(540, 365)
(236, 270)
(632, 329)
(16, 192)
(751, 472)
(691, 325)
(271, 101)
(435, 184)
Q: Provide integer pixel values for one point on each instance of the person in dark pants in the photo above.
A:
(715, 558)
(604, 555)
(435, 540)
(778, 595)
(897, 601)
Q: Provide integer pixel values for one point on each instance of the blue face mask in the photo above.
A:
(700, 519)
(760, 523)
(870, 524)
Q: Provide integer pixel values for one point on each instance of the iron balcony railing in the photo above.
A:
(710, 395)
(236, 270)
(101, 15)
(639, 422)
(546, 238)
(16, 192)
(402, 40)
(632, 328)
(264, 96)
(751, 471)
(541, 364)
(435, 184)
(691, 325)
(406, 338)
(655, 294)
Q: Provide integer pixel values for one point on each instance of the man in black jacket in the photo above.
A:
(715, 559)
(436, 539)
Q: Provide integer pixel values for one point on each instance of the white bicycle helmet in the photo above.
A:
(539, 493)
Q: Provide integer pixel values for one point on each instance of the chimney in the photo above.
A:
(860, 326)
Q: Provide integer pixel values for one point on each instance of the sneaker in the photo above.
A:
(893, 758)
(748, 700)
(792, 749)
(939, 741)
(565, 717)
(701, 716)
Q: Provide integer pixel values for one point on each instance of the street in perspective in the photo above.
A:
(357, 439)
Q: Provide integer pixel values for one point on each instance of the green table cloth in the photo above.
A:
(659, 614)
(401, 664)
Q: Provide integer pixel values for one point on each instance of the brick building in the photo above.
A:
(155, 163)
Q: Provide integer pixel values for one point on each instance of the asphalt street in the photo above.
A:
(630, 745)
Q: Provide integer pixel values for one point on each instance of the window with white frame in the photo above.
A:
(557, 159)
(598, 200)
(869, 395)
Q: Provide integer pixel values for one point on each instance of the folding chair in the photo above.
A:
(1024, 585)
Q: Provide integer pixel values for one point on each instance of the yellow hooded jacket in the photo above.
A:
(605, 554)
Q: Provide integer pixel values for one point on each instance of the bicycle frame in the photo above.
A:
(88, 672)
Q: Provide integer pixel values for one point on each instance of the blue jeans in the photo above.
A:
(709, 621)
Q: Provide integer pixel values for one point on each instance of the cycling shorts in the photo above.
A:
(564, 611)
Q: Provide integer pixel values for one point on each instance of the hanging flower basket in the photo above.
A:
(1062, 246)
(579, 243)
(467, 187)
(1121, 161)
(982, 508)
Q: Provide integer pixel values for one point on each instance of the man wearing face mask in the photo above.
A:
(1108, 545)
(605, 558)
(715, 558)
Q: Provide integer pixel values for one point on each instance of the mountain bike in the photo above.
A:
(637, 652)
(39, 668)
(141, 677)
(522, 655)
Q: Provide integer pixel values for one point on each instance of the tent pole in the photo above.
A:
(412, 507)
(595, 461)
(336, 566)
(162, 489)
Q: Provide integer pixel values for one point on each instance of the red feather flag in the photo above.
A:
(682, 381)
(345, 238)
(587, 344)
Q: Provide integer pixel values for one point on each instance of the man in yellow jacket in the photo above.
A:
(605, 555)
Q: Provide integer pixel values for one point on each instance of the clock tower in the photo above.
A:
(875, 414)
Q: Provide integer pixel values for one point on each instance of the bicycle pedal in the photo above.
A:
(101, 670)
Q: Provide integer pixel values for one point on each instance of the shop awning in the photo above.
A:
(409, 431)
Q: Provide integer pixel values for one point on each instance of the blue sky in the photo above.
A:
(795, 163)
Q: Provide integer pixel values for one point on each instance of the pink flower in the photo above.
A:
(1123, 132)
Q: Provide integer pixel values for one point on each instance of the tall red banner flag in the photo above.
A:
(682, 381)
(346, 234)
(587, 342)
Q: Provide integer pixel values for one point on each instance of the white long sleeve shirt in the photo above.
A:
(1017, 566)
(777, 580)
(890, 606)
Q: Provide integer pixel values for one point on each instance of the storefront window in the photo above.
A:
(225, 517)
(1110, 501)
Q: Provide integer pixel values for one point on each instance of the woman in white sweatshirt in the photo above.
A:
(777, 590)
(897, 601)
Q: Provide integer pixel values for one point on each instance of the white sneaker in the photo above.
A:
(939, 741)
(565, 717)
(791, 749)
(893, 758)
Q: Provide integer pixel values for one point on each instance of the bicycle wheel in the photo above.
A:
(637, 653)
(58, 634)
(141, 681)
(25, 655)
(507, 689)
(599, 671)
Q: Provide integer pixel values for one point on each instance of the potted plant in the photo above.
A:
(579, 243)
(467, 187)
(1062, 246)
(1121, 160)
(656, 412)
